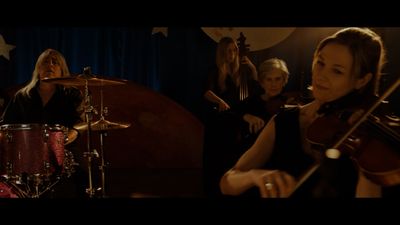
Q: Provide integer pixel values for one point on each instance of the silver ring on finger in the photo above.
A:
(269, 186)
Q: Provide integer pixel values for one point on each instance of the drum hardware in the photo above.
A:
(7, 190)
(69, 164)
(9, 168)
(9, 137)
(101, 125)
(103, 112)
(89, 111)
(37, 181)
(87, 79)
(102, 166)
(33, 186)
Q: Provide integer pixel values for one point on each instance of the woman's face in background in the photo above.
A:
(273, 82)
(231, 53)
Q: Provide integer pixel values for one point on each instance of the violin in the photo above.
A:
(372, 142)
(282, 101)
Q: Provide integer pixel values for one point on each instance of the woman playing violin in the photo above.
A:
(346, 68)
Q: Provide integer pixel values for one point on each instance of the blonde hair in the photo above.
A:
(274, 63)
(223, 67)
(35, 75)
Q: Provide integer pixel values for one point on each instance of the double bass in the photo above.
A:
(245, 78)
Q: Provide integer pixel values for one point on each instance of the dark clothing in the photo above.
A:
(221, 149)
(257, 106)
(63, 108)
(288, 154)
(334, 178)
(60, 109)
(4, 99)
(232, 93)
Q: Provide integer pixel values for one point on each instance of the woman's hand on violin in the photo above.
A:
(273, 183)
(255, 123)
(223, 106)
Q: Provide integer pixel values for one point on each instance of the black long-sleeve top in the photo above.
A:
(62, 108)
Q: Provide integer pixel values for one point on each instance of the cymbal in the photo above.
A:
(102, 125)
(81, 79)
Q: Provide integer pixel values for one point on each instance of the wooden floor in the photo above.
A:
(130, 183)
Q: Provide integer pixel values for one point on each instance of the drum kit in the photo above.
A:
(34, 157)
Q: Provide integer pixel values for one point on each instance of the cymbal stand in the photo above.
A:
(102, 135)
(89, 110)
(102, 166)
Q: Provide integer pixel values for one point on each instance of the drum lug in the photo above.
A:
(9, 137)
(45, 135)
(9, 168)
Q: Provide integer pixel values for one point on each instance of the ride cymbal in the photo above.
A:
(82, 79)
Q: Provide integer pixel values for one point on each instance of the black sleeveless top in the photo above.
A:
(288, 154)
(334, 178)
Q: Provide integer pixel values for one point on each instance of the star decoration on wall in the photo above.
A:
(5, 48)
(162, 30)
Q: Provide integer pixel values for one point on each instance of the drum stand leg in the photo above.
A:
(90, 190)
(89, 110)
(102, 166)
(103, 134)
(89, 154)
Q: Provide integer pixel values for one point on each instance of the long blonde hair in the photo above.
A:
(225, 68)
(35, 75)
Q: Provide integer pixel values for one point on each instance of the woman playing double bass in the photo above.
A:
(230, 81)
(345, 70)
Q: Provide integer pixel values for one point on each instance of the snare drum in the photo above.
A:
(32, 149)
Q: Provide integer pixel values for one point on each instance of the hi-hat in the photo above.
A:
(81, 79)
(102, 125)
